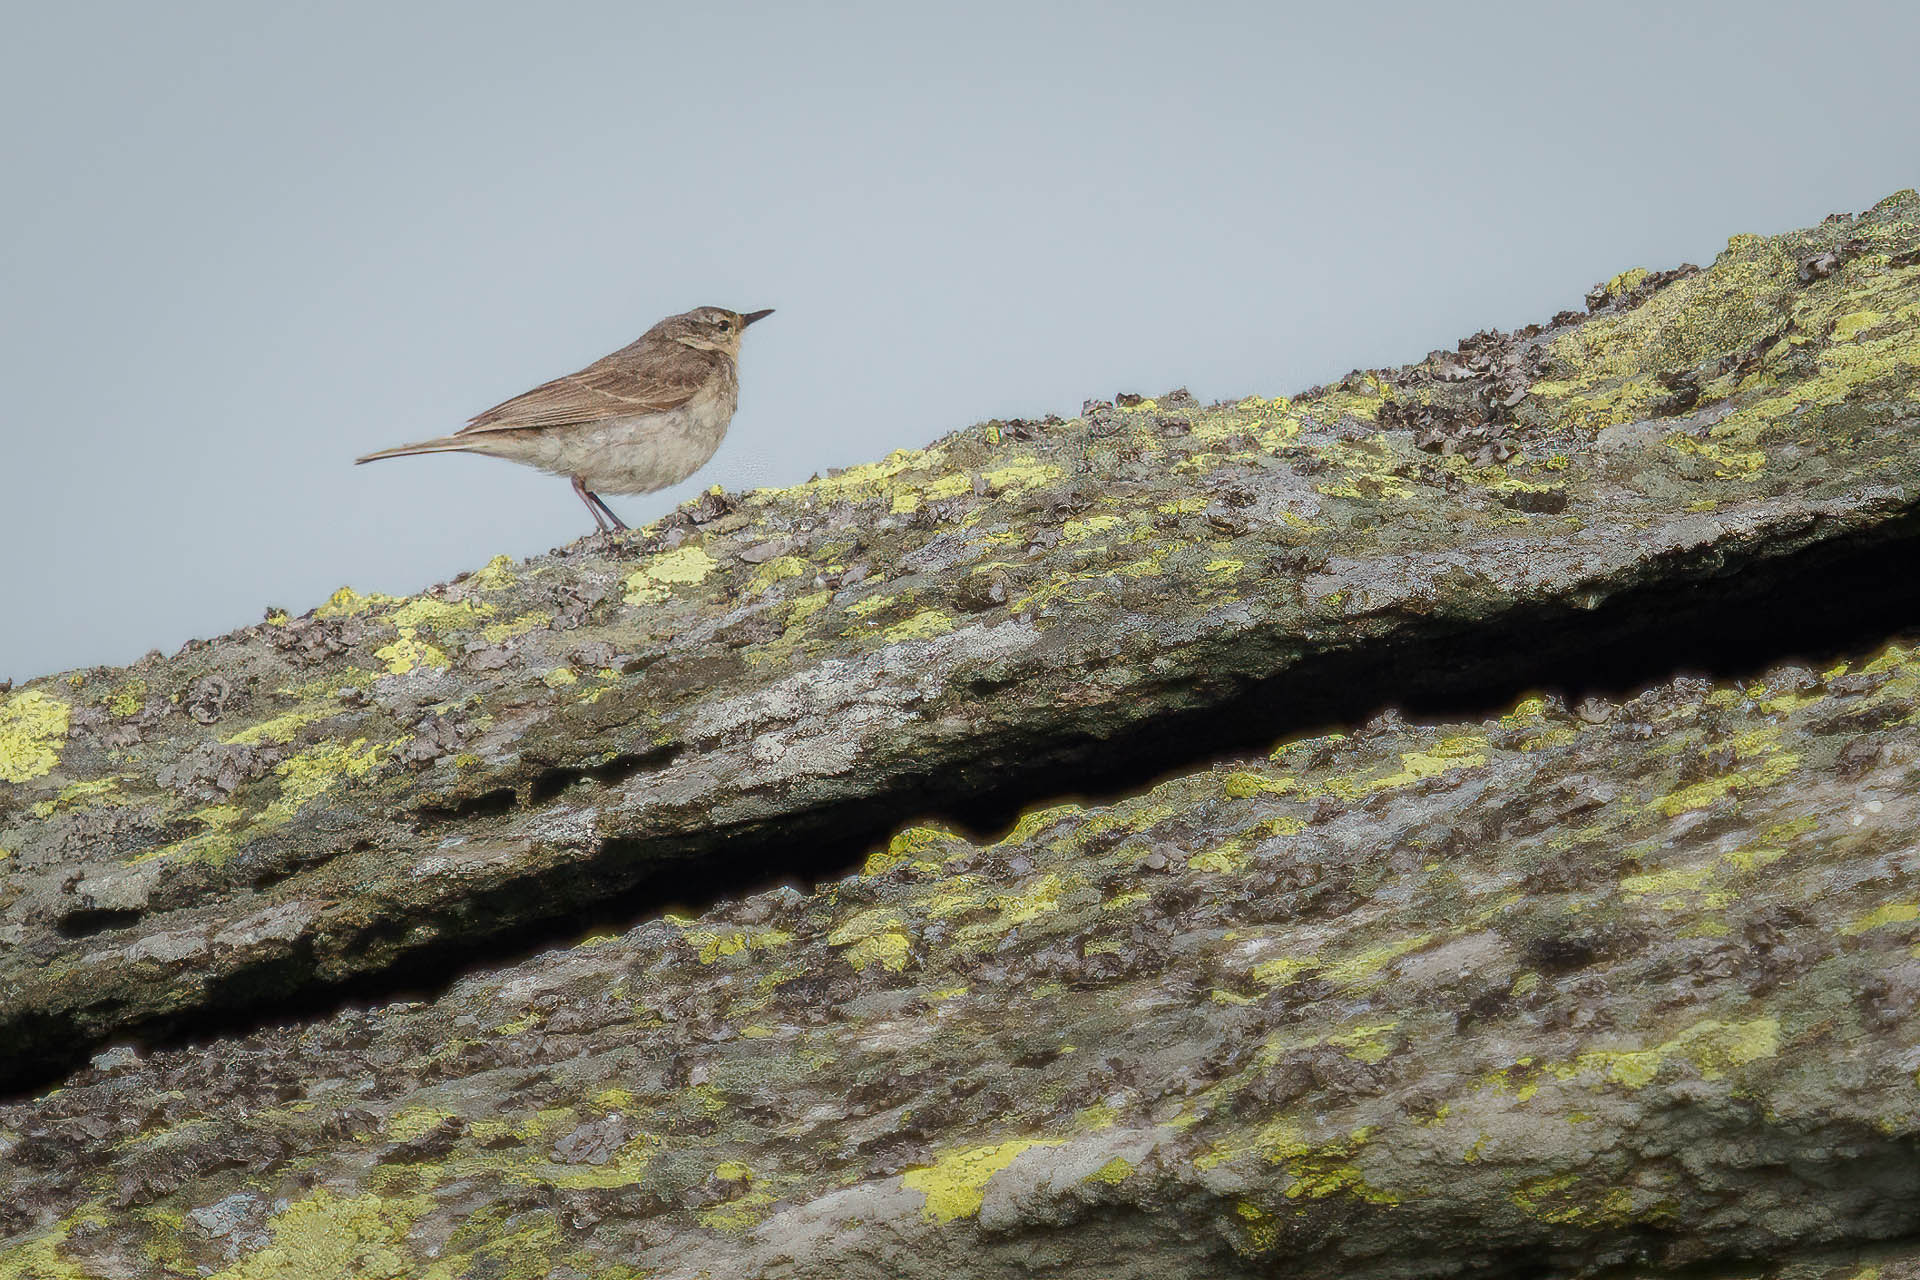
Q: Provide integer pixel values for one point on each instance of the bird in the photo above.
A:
(636, 421)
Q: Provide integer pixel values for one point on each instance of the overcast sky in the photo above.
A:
(242, 243)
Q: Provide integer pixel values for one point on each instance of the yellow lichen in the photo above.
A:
(409, 652)
(1881, 916)
(533, 620)
(778, 569)
(75, 795)
(1367, 1043)
(1022, 475)
(128, 698)
(32, 727)
(955, 1184)
(1319, 1170)
(214, 845)
(1081, 529)
(329, 1235)
(281, 728)
(1282, 970)
(923, 625)
(911, 844)
(1561, 1199)
(741, 1213)
(1768, 765)
(311, 773)
(1712, 1047)
(874, 937)
(496, 575)
(1463, 751)
(439, 615)
(654, 581)
(346, 602)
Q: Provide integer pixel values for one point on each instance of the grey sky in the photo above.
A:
(241, 243)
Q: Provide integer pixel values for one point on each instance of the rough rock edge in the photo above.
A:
(317, 797)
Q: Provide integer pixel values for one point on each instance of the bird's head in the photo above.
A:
(709, 328)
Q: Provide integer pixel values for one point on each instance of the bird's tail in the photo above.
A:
(440, 444)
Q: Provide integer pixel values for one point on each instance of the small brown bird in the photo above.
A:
(646, 417)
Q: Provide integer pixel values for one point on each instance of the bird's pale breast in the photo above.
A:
(637, 454)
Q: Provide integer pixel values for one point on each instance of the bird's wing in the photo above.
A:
(634, 380)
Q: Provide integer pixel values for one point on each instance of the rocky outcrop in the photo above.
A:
(1538, 988)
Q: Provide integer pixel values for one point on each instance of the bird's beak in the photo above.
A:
(751, 316)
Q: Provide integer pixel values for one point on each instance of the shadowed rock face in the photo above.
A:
(1530, 989)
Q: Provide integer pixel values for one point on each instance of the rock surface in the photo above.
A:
(1547, 991)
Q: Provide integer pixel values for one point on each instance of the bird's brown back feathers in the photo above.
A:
(651, 375)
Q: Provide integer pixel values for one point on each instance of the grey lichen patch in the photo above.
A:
(1436, 991)
(1015, 592)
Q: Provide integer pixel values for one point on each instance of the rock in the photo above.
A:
(1419, 999)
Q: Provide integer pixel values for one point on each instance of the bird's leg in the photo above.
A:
(600, 502)
(594, 504)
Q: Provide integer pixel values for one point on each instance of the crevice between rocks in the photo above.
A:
(1833, 598)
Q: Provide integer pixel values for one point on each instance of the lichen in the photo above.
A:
(311, 773)
(409, 652)
(654, 580)
(496, 575)
(1319, 1170)
(283, 727)
(874, 937)
(955, 1184)
(1564, 1199)
(1881, 916)
(1712, 1047)
(76, 795)
(346, 603)
(325, 1235)
(923, 625)
(32, 727)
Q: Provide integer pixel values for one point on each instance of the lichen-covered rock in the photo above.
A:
(315, 797)
(1544, 993)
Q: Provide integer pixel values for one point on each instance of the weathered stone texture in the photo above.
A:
(1551, 991)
